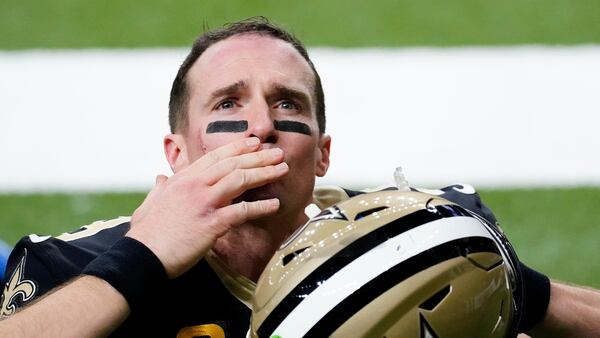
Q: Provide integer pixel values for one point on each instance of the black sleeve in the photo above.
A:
(27, 277)
(39, 264)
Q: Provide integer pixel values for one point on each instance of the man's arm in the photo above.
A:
(86, 307)
(572, 312)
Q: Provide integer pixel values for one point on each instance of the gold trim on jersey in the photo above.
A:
(328, 195)
(237, 284)
(92, 229)
(204, 330)
(16, 286)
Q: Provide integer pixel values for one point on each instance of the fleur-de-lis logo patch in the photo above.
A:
(16, 286)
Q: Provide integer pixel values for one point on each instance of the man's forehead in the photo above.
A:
(248, 44)
(222, 56)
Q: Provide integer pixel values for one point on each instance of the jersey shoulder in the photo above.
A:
(466, 196)
(37, 264)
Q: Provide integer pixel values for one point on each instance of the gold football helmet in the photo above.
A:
(390, 264)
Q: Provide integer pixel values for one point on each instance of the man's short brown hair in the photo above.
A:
(178, 103)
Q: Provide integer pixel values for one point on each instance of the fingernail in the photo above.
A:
(276, 152)
(252, 142)
(281, 166)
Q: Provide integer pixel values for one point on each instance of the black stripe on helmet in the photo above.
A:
(400, 272)
(349, 254)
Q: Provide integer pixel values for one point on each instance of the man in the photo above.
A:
(247, 120)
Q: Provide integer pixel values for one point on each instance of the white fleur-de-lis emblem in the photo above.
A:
(16, 286)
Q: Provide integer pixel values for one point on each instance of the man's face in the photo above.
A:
(259, 80)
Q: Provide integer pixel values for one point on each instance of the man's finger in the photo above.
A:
(160, 179)
(245, 161)
(238, 147)
(240, 180)
(244, 211)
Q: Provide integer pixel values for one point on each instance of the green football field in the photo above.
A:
(345, 23)
(554, 230)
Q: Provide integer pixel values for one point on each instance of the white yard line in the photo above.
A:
(524, 116)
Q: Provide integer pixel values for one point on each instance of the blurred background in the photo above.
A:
(501, 95)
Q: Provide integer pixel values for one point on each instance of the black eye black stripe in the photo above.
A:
(293, 126)
(350, 253)
(227, 127)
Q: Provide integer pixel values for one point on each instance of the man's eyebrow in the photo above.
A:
(280, 90)
(229, 90)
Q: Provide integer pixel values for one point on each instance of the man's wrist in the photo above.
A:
(131, 268)
(536, 291)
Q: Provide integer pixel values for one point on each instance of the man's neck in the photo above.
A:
(247, 248)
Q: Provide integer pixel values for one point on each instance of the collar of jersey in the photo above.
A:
(237, 284)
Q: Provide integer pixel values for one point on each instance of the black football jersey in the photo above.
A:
(207, 301)
(196, 304)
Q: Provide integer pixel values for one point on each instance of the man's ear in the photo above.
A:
(176, 151)
(322, 160)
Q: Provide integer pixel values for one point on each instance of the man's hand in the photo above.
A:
(184, 215)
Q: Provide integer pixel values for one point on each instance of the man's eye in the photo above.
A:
(228, 104)
(288, 105)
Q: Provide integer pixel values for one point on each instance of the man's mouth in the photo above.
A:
(263, 192)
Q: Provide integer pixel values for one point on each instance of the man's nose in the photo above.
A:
(261, 124)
